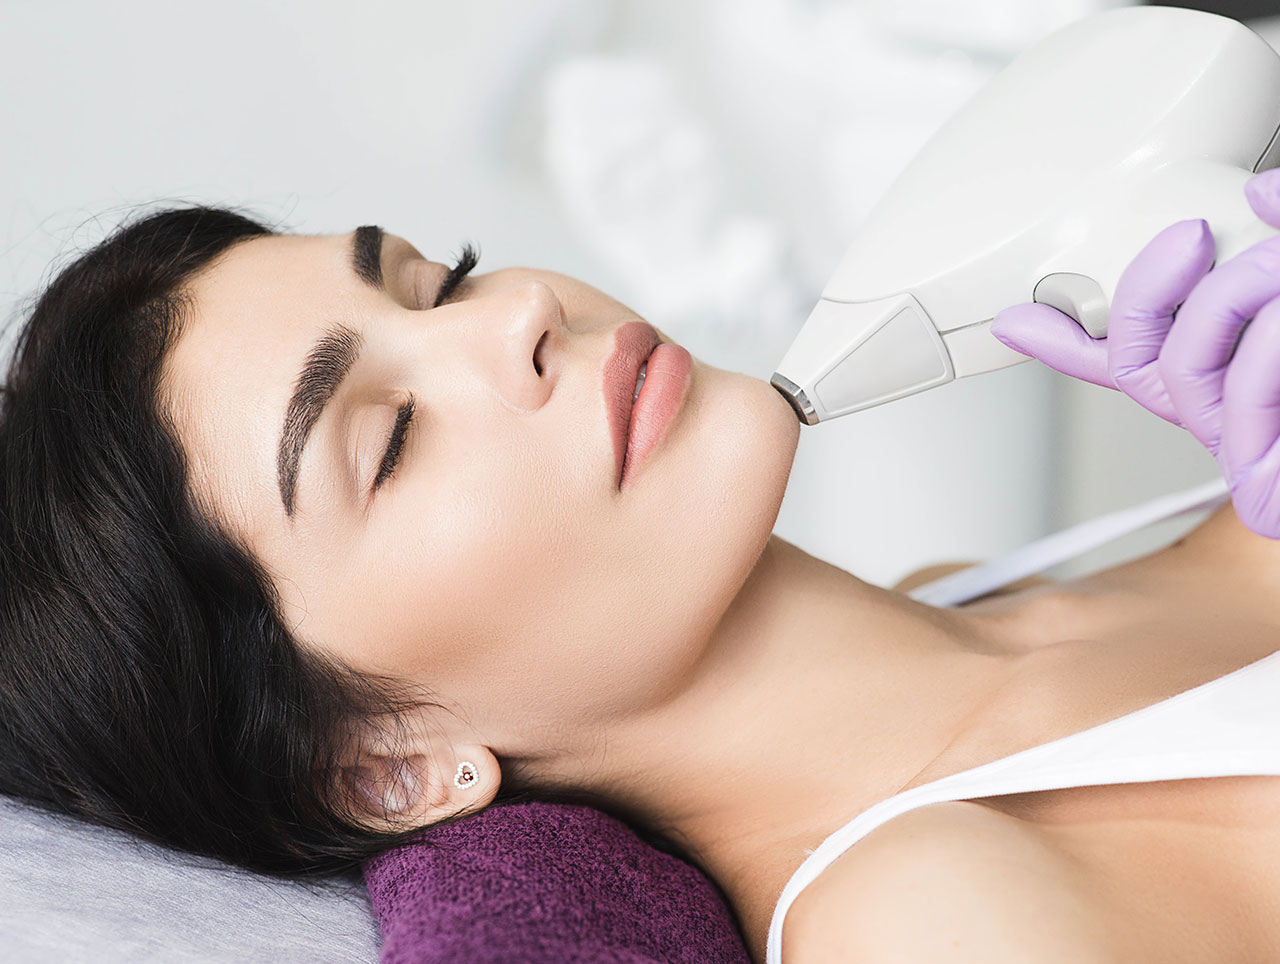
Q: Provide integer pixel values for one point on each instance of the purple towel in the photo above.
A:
(537, 883)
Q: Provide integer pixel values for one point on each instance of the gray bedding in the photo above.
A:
(70, 892)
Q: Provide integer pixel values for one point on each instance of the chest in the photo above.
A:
(1188, 867)
(1176, 870)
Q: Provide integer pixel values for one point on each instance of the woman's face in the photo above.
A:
(499, 564)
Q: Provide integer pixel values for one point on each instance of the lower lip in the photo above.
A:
(666, 380)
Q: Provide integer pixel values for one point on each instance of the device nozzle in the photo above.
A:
(849, 356)
(795, 395)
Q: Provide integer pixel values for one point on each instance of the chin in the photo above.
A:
(740, 443)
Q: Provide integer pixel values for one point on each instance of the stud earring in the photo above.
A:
(467, 776)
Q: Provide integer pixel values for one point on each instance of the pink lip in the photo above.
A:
(665, 385)
(633, 344)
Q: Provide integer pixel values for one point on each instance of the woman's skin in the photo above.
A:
(657, 645)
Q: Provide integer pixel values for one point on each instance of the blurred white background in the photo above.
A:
(703, 161)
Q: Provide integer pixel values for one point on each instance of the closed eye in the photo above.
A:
(391, 458)
(404, 415)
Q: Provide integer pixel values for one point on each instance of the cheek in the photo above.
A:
(477, 562)
(518, 596)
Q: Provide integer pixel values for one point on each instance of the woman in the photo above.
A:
(310, 542)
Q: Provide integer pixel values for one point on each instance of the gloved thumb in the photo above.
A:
(1056, 339)
(1263, 192)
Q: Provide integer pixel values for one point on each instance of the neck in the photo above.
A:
(818, 695)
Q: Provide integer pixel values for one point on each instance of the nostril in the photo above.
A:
(537, 360)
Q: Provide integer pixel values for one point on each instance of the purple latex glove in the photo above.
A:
(1214, 372)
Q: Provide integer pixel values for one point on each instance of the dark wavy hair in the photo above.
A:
(147, 682)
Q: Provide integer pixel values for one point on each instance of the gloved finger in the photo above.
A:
(1148, 293)
(1196, 352)
(1256, 497)
(1263, 193)
(1045, 333)
(1251, 393)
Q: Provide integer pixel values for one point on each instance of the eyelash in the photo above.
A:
(466, 261)
(391, 458)
(404, 416)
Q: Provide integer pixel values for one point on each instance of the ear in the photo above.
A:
(392, 792)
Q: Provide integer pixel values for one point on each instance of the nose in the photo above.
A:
(520, 342)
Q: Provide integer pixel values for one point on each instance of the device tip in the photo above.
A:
(796, 397)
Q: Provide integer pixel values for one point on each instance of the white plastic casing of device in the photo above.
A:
(1043, 186)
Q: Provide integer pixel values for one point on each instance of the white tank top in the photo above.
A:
(1229, 726)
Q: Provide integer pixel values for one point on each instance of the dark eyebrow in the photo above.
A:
(366, 255)
(327, 364)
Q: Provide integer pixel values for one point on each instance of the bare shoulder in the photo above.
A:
(1223, 542)
(950, 883)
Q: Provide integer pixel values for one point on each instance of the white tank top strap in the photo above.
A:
(1067, 544)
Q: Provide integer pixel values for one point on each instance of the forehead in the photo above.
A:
(262, 292)
(251, 317)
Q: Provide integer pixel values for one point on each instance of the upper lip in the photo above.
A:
(632, 346)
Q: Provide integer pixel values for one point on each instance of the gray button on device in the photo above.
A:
(1076, 295)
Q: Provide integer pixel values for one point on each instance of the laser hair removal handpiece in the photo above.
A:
(1042, 187)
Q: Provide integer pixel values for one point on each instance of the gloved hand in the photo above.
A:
(1193, 373)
